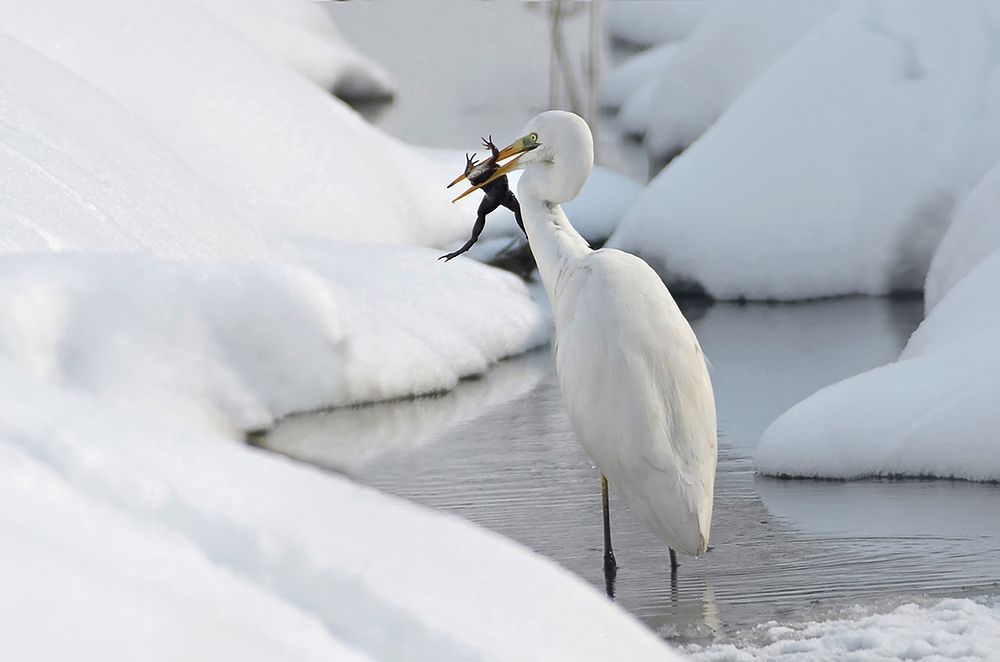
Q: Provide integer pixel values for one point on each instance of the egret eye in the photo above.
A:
(533, 137)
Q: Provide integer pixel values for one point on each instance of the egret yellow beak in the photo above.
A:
(516, 148)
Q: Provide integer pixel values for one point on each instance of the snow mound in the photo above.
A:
(952, 629)
(730, 48)
(238, 345)
(932, 413)
(268, 138)
(649, 23)
(144, 538)
(635, 72)
(369, 322)
(835, 172)
(974, 233)
(633, 117)
(303, 35)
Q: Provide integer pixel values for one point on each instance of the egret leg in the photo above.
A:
(673, 562)
(610, 564)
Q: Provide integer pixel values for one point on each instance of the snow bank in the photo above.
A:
(729, 49)
(932, 413)
(835, 172)
(303, 35)
(238, 345)
(649, 23)
(946, 630)
(140, 537)
(270, 139)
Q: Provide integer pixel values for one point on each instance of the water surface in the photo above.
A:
(499, 452)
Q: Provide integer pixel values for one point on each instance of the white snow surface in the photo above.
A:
(973, 235)
(727, 51)
(245, 122)
(303, 35)
(836, 171)
(626, 79)
(238, 345)
(650, 23)
(633, 116)
(96, 178)
(141, 538)
(932, 413)
(950, 629)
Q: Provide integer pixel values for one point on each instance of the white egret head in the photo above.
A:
(556, 153)
(557, 168)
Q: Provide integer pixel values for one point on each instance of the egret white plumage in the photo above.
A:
(632, 374)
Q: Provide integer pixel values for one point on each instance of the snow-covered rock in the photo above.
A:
(236, 345)
(932, 413)
(836, 171)
(270, 139)
(727, 51)
(649, 23)
(303, 35)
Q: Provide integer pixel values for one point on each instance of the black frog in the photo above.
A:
(497, 193)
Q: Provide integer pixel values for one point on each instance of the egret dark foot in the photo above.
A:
(673, 563)
(610, 572)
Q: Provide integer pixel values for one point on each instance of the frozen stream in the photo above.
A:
(499, 452)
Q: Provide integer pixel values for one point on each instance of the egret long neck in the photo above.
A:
(555, 243)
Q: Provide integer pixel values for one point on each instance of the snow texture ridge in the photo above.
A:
(303, 35)
(952, 629)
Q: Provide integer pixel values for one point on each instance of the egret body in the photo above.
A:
(632, 374)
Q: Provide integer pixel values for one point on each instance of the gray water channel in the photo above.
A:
(498, 451)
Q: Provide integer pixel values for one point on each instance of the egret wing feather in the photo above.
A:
(637, 388)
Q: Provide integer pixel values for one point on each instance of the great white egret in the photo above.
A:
(632, 374)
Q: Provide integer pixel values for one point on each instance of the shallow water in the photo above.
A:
(499, 452)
